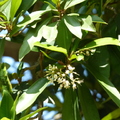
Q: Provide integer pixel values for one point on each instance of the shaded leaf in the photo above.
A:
(70, 106)
(2, 44)
(87, 103)
(6, 104)
(28, 97)
(97, 19)
(64, 36)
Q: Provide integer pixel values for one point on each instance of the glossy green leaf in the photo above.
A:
(88, 25)
(52, 48)
(49, 32)
(73, 25)
(14, 7)
(33, 113)
(87, 103)
(71, 3)
(32, 36)
(101, 42)
(4, 118)
(26, 4)
(6, 104)
(3, 2)
(101, 71)
(70, 106)
(112, 115)
(55, 1)
(13, 109)
(5, 9)
(2, 44)
(28, 97)
(64, 37)
(32, 17)
(97, 19)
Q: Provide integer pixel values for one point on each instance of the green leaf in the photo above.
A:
(32, 36)
(3, 2)
(28, 97)
(73, 25)
(4, 118)
(101, 42)
(71, 3)
(26, 4)
(87, 103)
(34, 16)
(13, 109)
(55, 1)
(6, 104)
(52, 48)
(49, 32)
(2, 44)
(31, 114)
(70, 106)
(88, 25)
(97, 19)
(5, 9)
(112, 115)
(64, 37)
(101, 71)
(14, 7)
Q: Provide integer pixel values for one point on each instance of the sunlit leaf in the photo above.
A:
(73, 25)
(32, 36)
(112, 115)
(5, 9)
(88, 25)
(52, 48)
(14, 7)
(28, 97)
(101, 42)
(71, 3)
(3, 2)
(26, 4)
(33, 113)
(49, 32)
(55, 1)
(4, 118)
(87, 103)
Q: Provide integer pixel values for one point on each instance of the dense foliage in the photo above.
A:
(78, 49)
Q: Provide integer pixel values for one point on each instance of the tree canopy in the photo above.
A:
(73, 47)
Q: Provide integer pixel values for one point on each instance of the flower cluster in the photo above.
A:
(64, 78)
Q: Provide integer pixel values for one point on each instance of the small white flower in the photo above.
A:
(67, 71)
(70, 67)
(74, 86)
